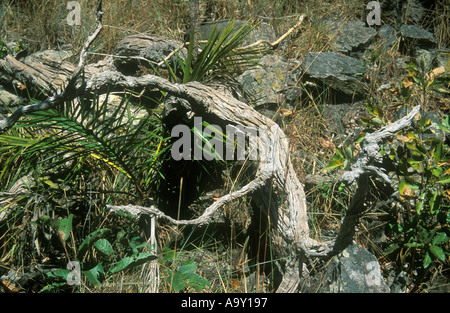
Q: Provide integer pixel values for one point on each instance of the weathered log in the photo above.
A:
(38, 77)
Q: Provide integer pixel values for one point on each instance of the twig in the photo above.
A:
(207, 214)
(279, 40)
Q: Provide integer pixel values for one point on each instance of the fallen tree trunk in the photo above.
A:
(276, 186)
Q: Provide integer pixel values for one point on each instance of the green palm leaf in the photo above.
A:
(220, 55)
(118, 137)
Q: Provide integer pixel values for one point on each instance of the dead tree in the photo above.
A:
(274, 172)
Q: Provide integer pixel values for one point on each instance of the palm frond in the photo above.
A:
(221, 55)
(121, 137)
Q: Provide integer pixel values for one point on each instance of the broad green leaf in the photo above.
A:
(185, 276)
(123, 264)
(437, 171)
(104, 246)
(89, 241)
(169, 254)
(178, 281)
(65, 227)
(427, 260)
(61, 273)
(95, 274)
(133, 261)
(187, 269)
(144, 257)
(438, 151)
(53, 287)
(435, 202)
(439, 238)
(444, 180)
(198, 282)
(334, 164)
(438, 252)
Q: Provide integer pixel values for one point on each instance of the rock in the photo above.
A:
(418, 37)
(344, 118)
(270, 83)
(54, 55)
(443, 59)
(387, 37)
(397, 12)
(414, 11)
(207, 28)
(9, 100)
(339, 72)
(349, 36)
(145, 50)
(355, 270)
(263, 32)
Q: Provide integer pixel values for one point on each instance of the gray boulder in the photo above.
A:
(8, 100)
(355, 270)
(414, 35)
(341, 73)
(145, 50)
(387, 37)
(349, 36)
(270, 83)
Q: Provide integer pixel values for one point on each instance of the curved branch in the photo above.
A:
(360, 172)
(206, 216)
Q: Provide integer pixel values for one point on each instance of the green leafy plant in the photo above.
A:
(92, 150)
(3, 49)
(182, 275)
(418, 158)
(221, 55)
(345, 156)
(100, 255)
(118, 137)
(425, 79)
(423, 172)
